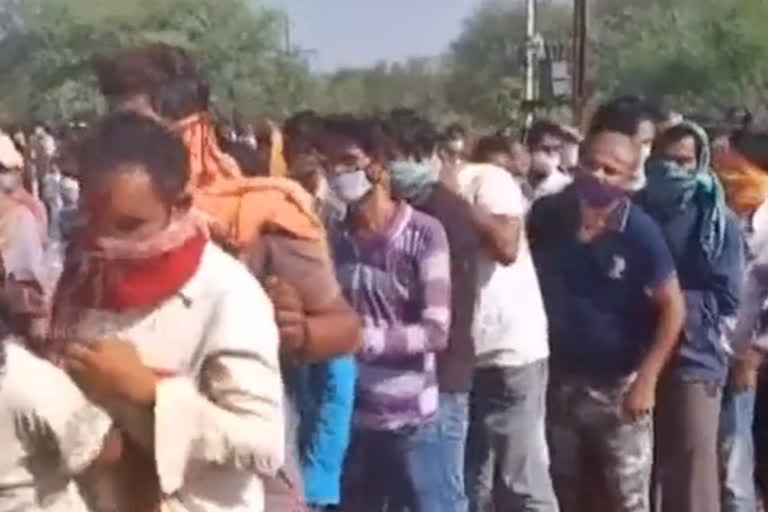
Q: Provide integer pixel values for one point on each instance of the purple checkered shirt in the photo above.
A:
(399, 283)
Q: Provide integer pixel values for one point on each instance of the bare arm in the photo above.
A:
(668, 299)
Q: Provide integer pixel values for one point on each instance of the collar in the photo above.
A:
(617, 219)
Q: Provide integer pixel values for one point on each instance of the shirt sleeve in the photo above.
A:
(58, 421)
(305, 264)
(657, 262)
(234, 417)
(431, 333)
(499, 193)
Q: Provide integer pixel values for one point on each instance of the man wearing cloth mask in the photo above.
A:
(687, 200)
(545, 141)
(615, 313)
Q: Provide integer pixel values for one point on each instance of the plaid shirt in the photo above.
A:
(399, 283)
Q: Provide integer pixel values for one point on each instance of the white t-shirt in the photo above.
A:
(49, 433)
(510, 326)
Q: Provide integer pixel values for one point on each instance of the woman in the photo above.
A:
(169, 334)
(268, 222)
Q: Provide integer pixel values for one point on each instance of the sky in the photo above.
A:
(358, 33)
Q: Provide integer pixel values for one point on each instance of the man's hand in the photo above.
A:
(640, 398)
(108, 369)
(290, 317)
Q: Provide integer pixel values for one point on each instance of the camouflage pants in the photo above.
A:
(599, 460)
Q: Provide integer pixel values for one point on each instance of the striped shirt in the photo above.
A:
(399, 283)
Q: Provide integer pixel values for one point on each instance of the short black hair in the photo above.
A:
(490, 145)
(128, 138)
(543, 128)
(455, 131)
(366, 132)
(676, 134)
(167, 74)
(412, 136)
(624, 115)
(753, 145)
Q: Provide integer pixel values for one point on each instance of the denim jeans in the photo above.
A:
(507, 466)
(737, 451)
(394, 471)
(452, 425)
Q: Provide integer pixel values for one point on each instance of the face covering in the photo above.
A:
(8, 182)
(70, 191)
(412, 181)
(596, 193)
(543, 164)
(638, 178)
(350, 187)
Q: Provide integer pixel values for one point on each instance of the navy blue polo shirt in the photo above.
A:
(601, 319)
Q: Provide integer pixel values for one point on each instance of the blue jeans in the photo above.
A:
(507, 466)
(737, 451)
(452, 425)
(394, 471)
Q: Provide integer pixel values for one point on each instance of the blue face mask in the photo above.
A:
(350, 187)
(412, 180)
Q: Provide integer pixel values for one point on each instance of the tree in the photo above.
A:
(488, 65)
(238, 46)
(701, 56)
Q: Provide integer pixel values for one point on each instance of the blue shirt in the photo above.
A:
(712, 290)
(602, 321)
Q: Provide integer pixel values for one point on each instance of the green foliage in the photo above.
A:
(237, 44)
(701, 56)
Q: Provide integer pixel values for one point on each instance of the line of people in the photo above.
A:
(398, 325)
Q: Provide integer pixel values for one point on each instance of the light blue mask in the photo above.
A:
(411, 180)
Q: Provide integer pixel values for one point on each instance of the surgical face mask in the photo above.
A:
(9, 182)
(412, 180)
(350, 187)
(638, 178)
(456, 145)
(70, 191)
(544, 163)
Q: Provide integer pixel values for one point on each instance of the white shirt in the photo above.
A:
(218, 421)
(510, 326)
(49, 434)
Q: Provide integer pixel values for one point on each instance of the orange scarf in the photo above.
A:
(745, 183)
(239, 209)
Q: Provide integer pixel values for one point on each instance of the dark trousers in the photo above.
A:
(686, 472)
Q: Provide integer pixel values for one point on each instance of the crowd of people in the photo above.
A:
(376, 314)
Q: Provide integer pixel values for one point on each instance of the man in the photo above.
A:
(634, 118)
(687, 200)
(413, 179)
(545, 142)
(615, 312)
(507, 456)
(394, 265)
(508, 154)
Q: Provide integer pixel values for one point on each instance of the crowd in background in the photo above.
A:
(375, 313)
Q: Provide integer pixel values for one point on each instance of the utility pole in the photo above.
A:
(531, 57)
(580, 39)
